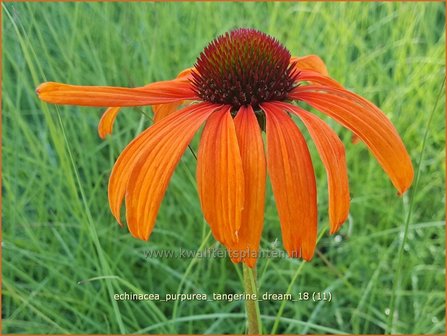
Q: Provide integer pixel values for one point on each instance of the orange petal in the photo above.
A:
(125, 164)
(220, 178)
(153, 169)
(310, 62)
(105, 96)
(107, 120)
(293, 182)
(185, 74)
(163, 110)
(332, 153)
(253, 163)
(369, 123)
(316, 78)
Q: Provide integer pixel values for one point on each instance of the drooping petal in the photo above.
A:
(105, 96)
(163, 110)
(152, 171)
(253, 163)
(316, 78)
(125, 164)
(369, 123)
(105, 125)
(220, 178)
(310, 62)
(293, 182)
(332, 153)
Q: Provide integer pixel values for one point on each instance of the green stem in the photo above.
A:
(251, 304)
(290, 287)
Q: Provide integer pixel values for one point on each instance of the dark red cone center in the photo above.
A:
(243, 67)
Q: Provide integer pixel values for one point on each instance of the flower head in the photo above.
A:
(243, 67)
(242, 84)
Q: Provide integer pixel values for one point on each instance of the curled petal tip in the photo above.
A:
(102, 135)
(44, 87)
(39, 88)
(105, 125)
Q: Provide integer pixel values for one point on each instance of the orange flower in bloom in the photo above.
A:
(243, 83)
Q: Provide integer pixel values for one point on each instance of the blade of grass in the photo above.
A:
(396, 281)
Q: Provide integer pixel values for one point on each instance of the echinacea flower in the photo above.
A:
(243, 83)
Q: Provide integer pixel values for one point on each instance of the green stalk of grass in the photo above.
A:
(396, 281)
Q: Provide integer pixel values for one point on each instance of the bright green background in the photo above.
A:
(57, 228)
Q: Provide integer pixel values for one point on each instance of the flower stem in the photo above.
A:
(252, 307)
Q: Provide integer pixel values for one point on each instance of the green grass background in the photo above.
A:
(63, 254)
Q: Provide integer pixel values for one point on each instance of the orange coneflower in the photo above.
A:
(243, 83)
